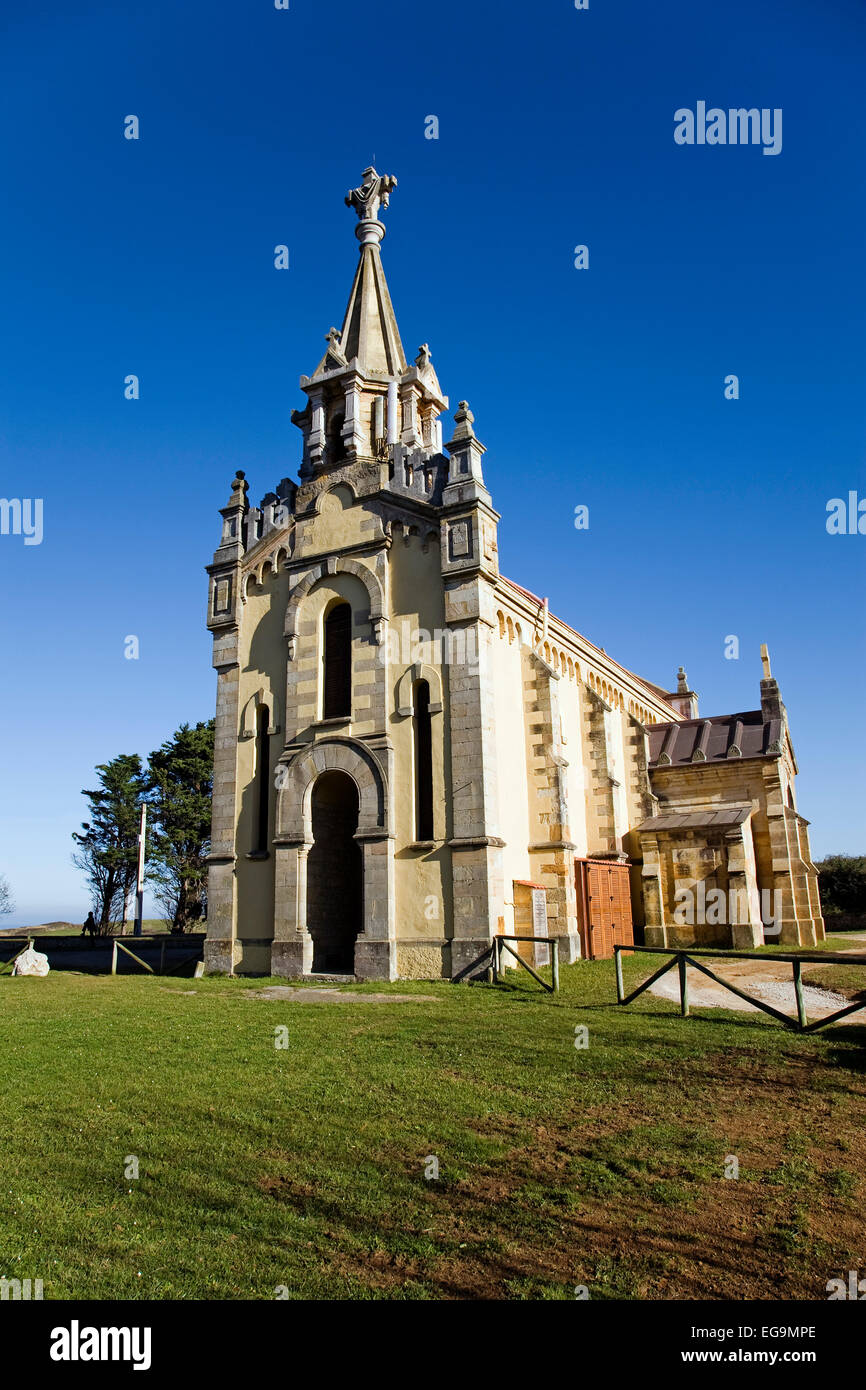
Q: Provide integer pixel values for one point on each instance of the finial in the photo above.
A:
(423, 358)
(333, 339)
(765, 661)
(374, 192)
(464, 420)
(682, 682)
(239, 490)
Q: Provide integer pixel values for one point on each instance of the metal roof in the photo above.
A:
(719, 738)
(696, 820)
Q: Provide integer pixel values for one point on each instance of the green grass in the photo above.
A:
(305, 1167)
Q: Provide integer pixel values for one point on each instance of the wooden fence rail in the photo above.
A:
(682, 958)
(7, 964)
(490, 961)
(500, 945)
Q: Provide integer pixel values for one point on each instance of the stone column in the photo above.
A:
(375, 948)
(780, 848)
(292, 949)
(747, 929)
(655, 925)
(475, 844)
(225, 614)
(352, 433)
(811, 875)
(601, 808)
(551, 847)
(316, 440)
(221, 949)
(470, 568)
(410, 395)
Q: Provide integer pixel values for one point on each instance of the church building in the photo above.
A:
(414, 754)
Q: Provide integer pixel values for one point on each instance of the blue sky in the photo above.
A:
(603, 387)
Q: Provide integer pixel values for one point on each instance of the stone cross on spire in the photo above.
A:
(374, 192)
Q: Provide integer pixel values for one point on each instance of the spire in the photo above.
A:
(364, 399)
(370, 331)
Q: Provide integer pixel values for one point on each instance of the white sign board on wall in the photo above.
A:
(539, 925)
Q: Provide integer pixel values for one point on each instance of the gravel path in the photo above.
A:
(766, 981)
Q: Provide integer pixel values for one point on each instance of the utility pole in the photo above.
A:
(139, 886)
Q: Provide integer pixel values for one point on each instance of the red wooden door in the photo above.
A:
(604, 907)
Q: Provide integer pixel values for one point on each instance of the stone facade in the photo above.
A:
(540, 749)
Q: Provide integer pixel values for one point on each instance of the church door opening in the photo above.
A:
(334, 875)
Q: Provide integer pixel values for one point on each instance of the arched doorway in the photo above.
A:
(334, 875)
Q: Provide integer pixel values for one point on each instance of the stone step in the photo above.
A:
(340, 979)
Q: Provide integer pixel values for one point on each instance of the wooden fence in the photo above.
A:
(682, 958)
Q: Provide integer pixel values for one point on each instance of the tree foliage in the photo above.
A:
(180, 788)
(107, 851)
(842, 882)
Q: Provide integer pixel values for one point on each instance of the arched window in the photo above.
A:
(263, 781)
(423, 763)
(337, 684)
(335, 436)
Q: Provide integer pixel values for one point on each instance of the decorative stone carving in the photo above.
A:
(374, 192)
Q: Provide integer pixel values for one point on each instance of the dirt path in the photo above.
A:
(334, 996)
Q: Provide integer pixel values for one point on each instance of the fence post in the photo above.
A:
(798, 990)
(617, 957)
(684, 986)
(114, 958)
(554, 964)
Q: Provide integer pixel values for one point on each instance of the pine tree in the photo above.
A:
(180, 787)
(108, 842)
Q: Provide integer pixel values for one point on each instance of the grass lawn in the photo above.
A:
(305, 1166)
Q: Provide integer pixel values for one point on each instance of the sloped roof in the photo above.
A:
(719, 738)
(696, 820)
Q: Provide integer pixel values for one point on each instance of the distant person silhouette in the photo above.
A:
(89, 926)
